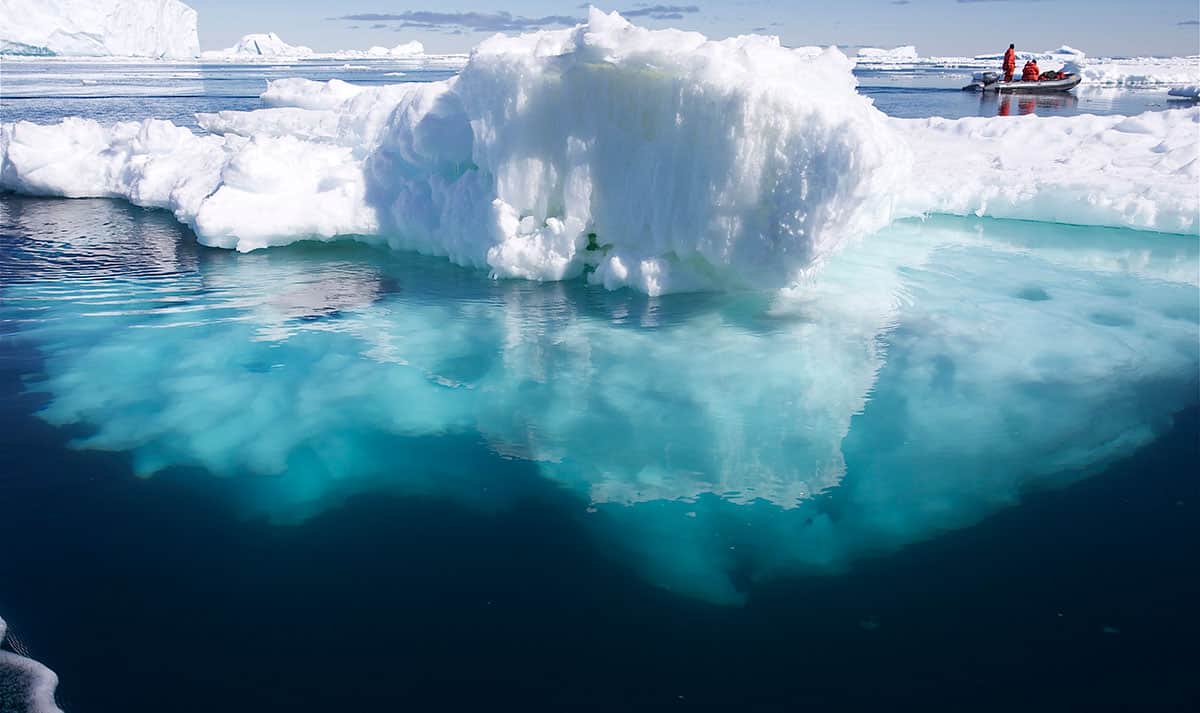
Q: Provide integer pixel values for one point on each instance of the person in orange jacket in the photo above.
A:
(1030, 72)
(1010, 63)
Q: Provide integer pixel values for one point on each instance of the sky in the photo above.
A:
(936, 27)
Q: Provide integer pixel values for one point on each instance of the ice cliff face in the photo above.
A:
(128, 28)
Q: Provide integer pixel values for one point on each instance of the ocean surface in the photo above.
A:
(957, 473)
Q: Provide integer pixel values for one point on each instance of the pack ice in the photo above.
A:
(658, 160)
(127, 28)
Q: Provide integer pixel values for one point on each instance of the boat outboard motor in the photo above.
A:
(981, 80)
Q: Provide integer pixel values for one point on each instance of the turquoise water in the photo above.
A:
(931, 375)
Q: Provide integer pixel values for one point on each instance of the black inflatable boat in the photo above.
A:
(990, 82)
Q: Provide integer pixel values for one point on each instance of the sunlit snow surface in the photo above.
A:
(928, 377)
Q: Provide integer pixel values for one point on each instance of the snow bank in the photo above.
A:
(657, 160)
(134, 28)
(24, 682)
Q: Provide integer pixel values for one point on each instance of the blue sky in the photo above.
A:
(943, 27)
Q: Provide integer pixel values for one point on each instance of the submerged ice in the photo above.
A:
(711, 436)
(657, 160)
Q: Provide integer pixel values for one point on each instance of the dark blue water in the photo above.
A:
(152, 595)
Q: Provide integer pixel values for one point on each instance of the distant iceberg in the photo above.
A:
(1065, 53)
(874, 55)
(260, 44)
(269, 46)
(127, 28)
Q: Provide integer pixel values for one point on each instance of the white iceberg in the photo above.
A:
(875, 55)
(270, 47)
(260, 44)
(25, 683)
(406, 49)
(1188, 92)
(1065, 53)
(127, 28)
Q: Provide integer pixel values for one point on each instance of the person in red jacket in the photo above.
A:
(1010, 63)
(1030, 72)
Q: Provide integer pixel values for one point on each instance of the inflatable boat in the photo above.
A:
(990, 82)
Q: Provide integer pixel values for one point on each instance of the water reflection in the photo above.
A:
(993, 103)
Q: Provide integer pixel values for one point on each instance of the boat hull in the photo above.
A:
(1046, 86)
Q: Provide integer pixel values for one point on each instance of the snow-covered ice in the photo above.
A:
(1187, 92)
(133, 28)
(500, 168)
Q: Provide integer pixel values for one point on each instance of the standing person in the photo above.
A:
(1010, 63)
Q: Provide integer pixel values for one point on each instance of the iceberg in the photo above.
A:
(1188, 92)
(657, 160)
(1143, 71)
(1063, 54)
(260, 44)
(874, 55)
(404, 49)
(270, 47)
(502, 167)
(128, 28)
(1137, 172)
